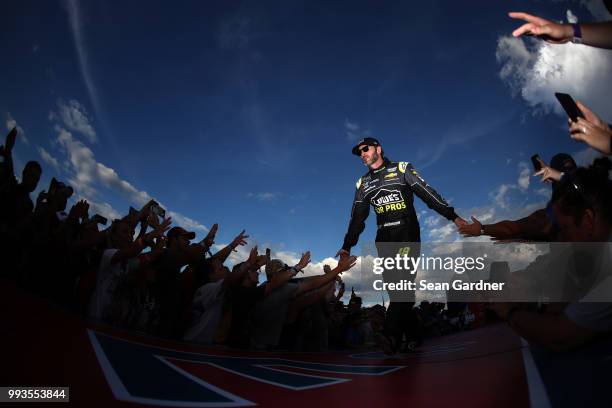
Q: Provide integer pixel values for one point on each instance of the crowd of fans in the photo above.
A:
(161, 283)
(157, 281)
(580, 210)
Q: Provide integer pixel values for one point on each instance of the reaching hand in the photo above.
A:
(591, 130)
(346, 263)
(343, 254)
(305, 260)
(239, 240)
(158, 231)
(547, 173)
(547, 30)
(252, 256)
(209, 240)
(80, 209)
(471, 230)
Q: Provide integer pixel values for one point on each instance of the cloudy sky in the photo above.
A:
(244, 113)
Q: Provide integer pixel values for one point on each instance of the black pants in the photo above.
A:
(401, 319)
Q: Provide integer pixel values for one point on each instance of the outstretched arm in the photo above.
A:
(593, 34)
(359, 213)
(591, 130)
(429, 196)
(344, 264)
(225, 252)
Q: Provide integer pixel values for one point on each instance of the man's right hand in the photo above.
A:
(343, 253)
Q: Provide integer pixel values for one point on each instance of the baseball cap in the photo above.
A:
(176, 231)
(368, 141)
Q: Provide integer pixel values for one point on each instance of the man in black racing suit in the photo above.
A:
(389, 187)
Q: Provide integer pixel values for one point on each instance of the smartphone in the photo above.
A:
(157, 210)
(535, 160)
(569, 106)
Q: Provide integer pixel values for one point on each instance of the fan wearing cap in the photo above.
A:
(390, 187)
(178, 253)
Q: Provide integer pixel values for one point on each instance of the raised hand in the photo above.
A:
(591, 130)
(547, 30)
(239, 240)
(209, 239)
(80, 209)
(158, 231)
(305, 260)
(252, 259)
(547, 173)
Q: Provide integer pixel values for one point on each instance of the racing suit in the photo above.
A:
(390, 190)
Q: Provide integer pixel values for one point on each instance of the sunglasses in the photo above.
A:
(364, 148)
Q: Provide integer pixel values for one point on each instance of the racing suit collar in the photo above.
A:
(383, 166)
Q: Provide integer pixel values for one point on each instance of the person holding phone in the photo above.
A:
(537, 226)
(591, 130)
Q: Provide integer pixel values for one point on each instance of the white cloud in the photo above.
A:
(87, 172)
(353, 131)
(265, 196)
(11, 123)
(75, 117)
(536, 70)
(76, 26)
(186, 222)
(48, 158)
(544, 192)
(499, 195)
(443, 233)
(524, 176)
(235, 33)
(459, 135)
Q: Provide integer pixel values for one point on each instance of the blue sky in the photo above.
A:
(244, 113)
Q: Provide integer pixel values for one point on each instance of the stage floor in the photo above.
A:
(42, 345)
